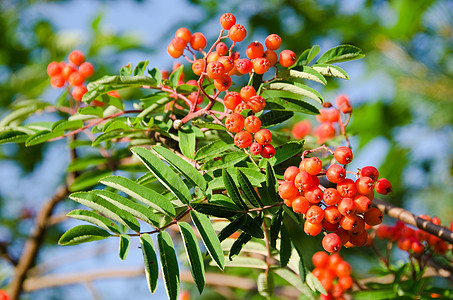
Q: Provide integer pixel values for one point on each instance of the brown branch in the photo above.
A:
(411, 219)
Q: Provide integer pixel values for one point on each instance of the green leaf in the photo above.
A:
(63, 125)
(314, 283)
(232, 190)
(265, 284)
(186, 169)
(375, 295)
(187, 141)
(298, 89)
(125, 243)
(246, 262)
(307, 56)
(150, 258)
(295, 281)
(141, 67)
(82, 234)
(287, 151)
(175, 76)
(126, 70)
(274, 117)
(248, 190)
(141, 193)
(341, 53)
(92, 110)
(212, 150)
(252, 227)
(193, 254)
(304, 72)
(285, 247)
(13, 136)
(216, 210)
(41, 137)
(236, 248)
(271, 181)
(209, 238)
(293, 105)
(141, 212)
(169, 264)
(202, 124)
(232, 227)
(108, 136)
(95, 202)
(276, 225)
(225, 161)
(164, 174)
(88, 179)
(94, 218)
(81, 164)
(116, 125)
(331, 70)
(156, 75)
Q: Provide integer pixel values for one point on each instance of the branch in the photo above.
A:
(411, 219)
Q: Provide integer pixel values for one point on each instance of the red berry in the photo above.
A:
(343, 104)
(271, 56)
(347, 188)
(256, 103)
(234, 123)
(263, 136)
(198, 66)
(273, 41)
(287, 190)
(349, 222)
(332, 214)
(301, 129)
(78, 92)
(241, 107)
(198, 41)
(268, 151)
(222, 83)
(243, 65)
(346, 206)
(255, 148)
(373, 216)
(331, 196)
(335, 173)
(300, 205)
(290, 173)
(312, 229)
(343, 155)
(320, 259)
(173, 52)
(76, 79)
(313, 194)
(329, 226)
(221, 48)
(215, 69)
(231, 100)
(57, 81)
(243, 139)
(252, 124)
(331, 242)
(86, 69)
(315, 214)
(227, 20)
(237, 33)
(178, 43)
(227, 62)
(76, 57)
(184, 33)
(287, 58)
(254, 50)
(371, 172)
(383, 186)
(247, 92)
(67, 71)
(313, 165)
(261, 65)
(364, 185)
(304, 181)
(53, 69)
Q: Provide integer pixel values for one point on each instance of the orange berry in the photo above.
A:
(260, 65)
(76, 79)
(313, 165)
(315, 214)
(234, 122)
(184, 33)
(215, 69)
(287, 58)
(362, 203)
(373, 216)
(227, 20)
(227, 62)
(255, 50)
(243, 65)
(347, 188)
(221, 48)
(290, 173)
(222, 83)
(86, 69)
(178, 43)
(312, 229)
(57, 81)
(231, 100)
(213, 56)
(53, 69)
(263, 136)
(335, 173)
(257, 103)
(320, 259)
(67, 71)
(331, 196)
(313, 194)
(243, 139)
(76, 57)
(287, 190)
(300, 204)
(237, 33)
(331, 242)
(271, 56)
(198, 66)
(343, 155)
(78, 92)
(247, 92)
(252, 124)
(346, 206)
(349, 222)
(268, 151)
(301, 129)
(273, 41)
(198, 41)
(173, 52)
(331, 214)
(241, 106)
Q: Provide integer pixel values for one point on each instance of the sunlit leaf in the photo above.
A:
(150, 258)
(341, 53)
(94, 218)
(82, 234)
(169, 264)
(125, 243)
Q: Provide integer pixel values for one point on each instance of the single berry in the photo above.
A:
(184, 33)
(330, 227)
(343, 104)
(222, 83)
(331, 242)
(346, 206)
(254, 50)
(234, 122)
(383, 186)
(173, 52)
(300, 205)
(255, 148)
(67, 71)
(349, 222)
(364, 185)
(231, 100)
(371, 172)
(78, 92)
(268, 151)
(347, 188)
(227, 20)
(213, 56)
(221, 48)
(243, 139)
(198, 41)
(247, 92)
(362, 203)
(237, 33)
(260, 65)
(331, 214)
(86, 69)
(57, 81)
(263, 136)
(215, 69)
(287, 190)
(331, 196)
(227, 62)
(252, 123)
(178, 43)
(241, 107)
(290, 173)
(304, 181)
(313, 165)
(315, 214)
(76, 79)
(373, 216)
(287, 58)
(271, 56)
(312, 229)
(257, 103)
(335, 173)
(343, 155)
(198, 66)
(320, 259)
(273, 41)
(53, 69)
(243, 65)
(301, 129)
(76, 57)
(313, 194)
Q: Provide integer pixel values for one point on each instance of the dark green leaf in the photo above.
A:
(248, 190)
(285, 247)
(64, 125)
(341, 53)
(274, 230)
(125, 243)
(270, 183)
(307, 56)
(274, 117)
(286, 151)
(140, 68)
(225, 161)
(139, 211)
(236, 248)
(82, 234)
(216, 210)
(231, 228)
(298, 89)
(169, 264)
(212, 150)
(232, 190)
(108, 136)
(91, 110)
(164, 174)
(209, 238)
(13, 136)
(193, 254)
(150, 258)
(94, 218)
(252, 227)
(186, 169)
(187, 141)
(331, 70)
(287, 104)
(141, 193)
(83, 163)
(95, 202)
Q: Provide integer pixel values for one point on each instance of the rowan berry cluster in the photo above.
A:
(74, 72)
(4, 295)
(334, 273)
(330, 118)
(413, 240)
(220, 63)
(343, 210)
